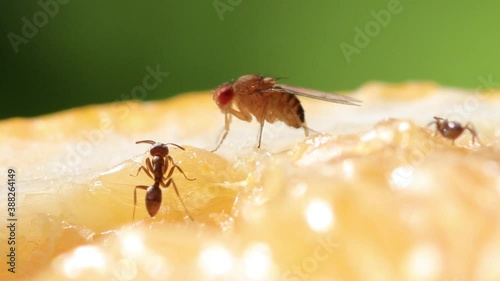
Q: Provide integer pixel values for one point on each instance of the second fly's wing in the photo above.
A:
(319, 95)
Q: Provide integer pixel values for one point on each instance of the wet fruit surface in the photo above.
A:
(377, 195)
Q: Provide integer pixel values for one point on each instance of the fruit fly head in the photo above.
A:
(224, 95)
(246, 84)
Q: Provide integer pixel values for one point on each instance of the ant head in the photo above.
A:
(159, 149)
(440, 121)
(224, 95)
(153, 200)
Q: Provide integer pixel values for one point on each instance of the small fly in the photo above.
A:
(259, 96)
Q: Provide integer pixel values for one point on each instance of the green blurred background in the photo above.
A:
(98, 51)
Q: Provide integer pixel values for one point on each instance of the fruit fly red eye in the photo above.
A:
(223, 95)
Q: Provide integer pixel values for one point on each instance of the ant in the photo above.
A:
(156, 170)
(452, 130)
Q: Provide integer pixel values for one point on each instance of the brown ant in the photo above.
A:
(156, 169)
(451, 129)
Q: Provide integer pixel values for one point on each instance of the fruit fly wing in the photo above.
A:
(315, 94)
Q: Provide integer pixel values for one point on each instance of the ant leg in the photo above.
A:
(171, 181)
(138, 170)
(135, 197)
(149, 167)
(165, 166)
(472, 130)
(432, 123)
(174, 166)
(182, 172)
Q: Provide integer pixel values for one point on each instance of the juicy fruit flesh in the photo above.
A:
(391, 200)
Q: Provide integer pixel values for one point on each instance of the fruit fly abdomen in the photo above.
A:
(292, 110)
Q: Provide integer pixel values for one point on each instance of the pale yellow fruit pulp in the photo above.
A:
(375, 196)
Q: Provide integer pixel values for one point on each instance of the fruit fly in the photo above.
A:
(156, 168)
(267, 101)
(452, 130)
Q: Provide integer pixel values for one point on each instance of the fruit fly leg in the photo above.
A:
(260, 132)
(171, 181)
(227, 119)
(262, 120)
(135, 197)
(242, 115)
(306, 129)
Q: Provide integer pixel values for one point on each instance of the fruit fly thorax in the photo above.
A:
(252, 82)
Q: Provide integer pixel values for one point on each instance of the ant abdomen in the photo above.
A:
(153, 200)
